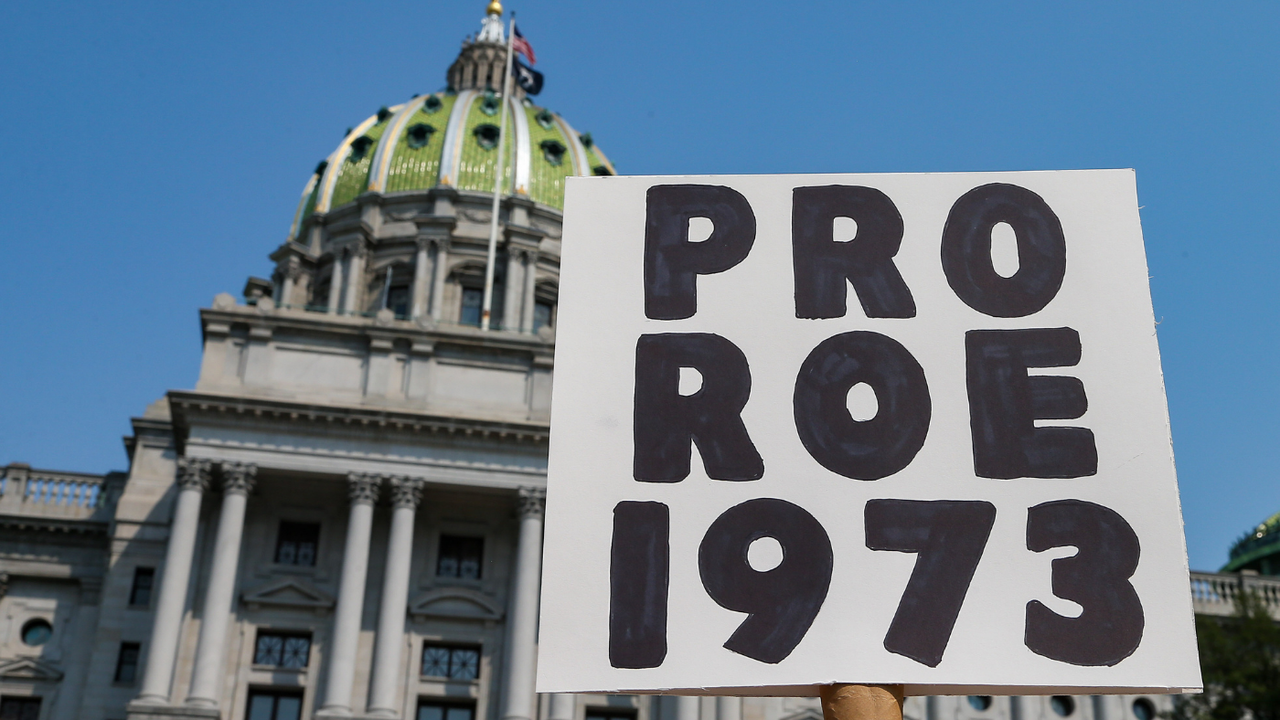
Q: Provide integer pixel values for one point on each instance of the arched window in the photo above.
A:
(319, 300)
(395, 290)
(469, 283)
(544, 306)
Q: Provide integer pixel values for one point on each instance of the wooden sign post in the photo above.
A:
(769, 389)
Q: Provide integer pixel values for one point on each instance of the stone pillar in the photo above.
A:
(206, 680)
(193, 480)
(511, 309)
(687, 707)
(291, 271)
(419, 306)
(530, 288)
(384, 700)
(335, 285)
(522, 647)
(441, 270)
(355, 279)
(728, 708)
(363, 492)
(563, 706)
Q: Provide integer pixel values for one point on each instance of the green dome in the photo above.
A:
(1258, 549)
(448, 139)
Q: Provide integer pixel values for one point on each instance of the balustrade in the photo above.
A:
(62, 496)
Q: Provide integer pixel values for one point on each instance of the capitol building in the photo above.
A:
(343, 518)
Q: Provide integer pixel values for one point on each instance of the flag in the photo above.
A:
(527, 78)
(522, 46)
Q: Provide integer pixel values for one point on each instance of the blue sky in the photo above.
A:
(156, 151)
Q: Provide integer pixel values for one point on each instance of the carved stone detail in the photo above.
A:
(532, 501)
(291, 268)
(363, 488)
(194, 473)
(406, 492)
(475, 216)
(238, 478)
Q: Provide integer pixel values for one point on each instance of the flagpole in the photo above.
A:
(497, 185)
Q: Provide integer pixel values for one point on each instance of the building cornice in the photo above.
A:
(219, 321)
(187, 405)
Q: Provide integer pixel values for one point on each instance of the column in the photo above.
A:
(419, 307)
(206, 681)
(355, 278)
(728, 708)
(292, 271)
(530, 287)
(687, 707)
(563, 706)
(384, 701)
(193, 480)
(335, 284)
(522, 646)
(511, 310)
(363, 492)
(441, 274)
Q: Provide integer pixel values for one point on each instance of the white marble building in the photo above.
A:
(344, 517)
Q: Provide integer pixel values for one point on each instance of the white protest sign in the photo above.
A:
(871, 429)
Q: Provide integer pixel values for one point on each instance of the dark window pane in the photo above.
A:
(269, 650)
(459, 713)
(20, 708)
(435, 661)
(282, 650)
(143, 580)
(127, 663)
(398, 301)
(261, 707)
(296, 543)
(460, 557)
(472, 302)
(296, 652)
(464, 664)
(288, 708)
(541, 315)
(430, 712)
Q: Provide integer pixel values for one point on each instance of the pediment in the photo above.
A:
(287, 592)
(29, 669)
(457, 603)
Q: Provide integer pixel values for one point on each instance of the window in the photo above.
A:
(297, 543)
(286, 650)
(455, 663)
(127, 662)
(541, 315)
(143, 580)
(19, 708)
(599, 714)
(460, 557)
(1062, 705)
(268, 705)
(37, 632)
(980, 702)
(434, 710)
(472, 304)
